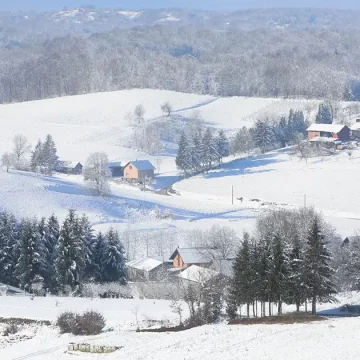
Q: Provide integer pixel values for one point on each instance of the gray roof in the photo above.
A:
(13, 289)
(68, 164)
(143, 165)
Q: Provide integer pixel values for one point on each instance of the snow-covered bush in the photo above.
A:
(89, 323)
(66, 322)
(10, 329)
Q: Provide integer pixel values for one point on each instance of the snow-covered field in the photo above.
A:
(330, 339)
(97, 122)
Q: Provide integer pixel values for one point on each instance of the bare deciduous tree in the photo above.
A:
(97, 172)
(7, 160)
(21, 148)
(139, 113)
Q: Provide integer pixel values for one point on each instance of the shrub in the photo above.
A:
(11, 329)
(89, 323)
(67, 322)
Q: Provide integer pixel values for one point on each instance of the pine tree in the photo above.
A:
(196, 153)
(222, 146)
(51, 242)
(264, 135)
(98, 253)
(244, 275)
(89, 239)
(113, 262)
(318, 273)
(9, 241)
(50, 157)
(32, 254)
(183, 157)
(325, 114)
(296, 280)
(208, 150)
(70, 259)
(37, 158)
(280, 271)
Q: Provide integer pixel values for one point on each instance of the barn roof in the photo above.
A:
(195, 255)
(142, 164)
(145, 264)
(332, 128)
(197, 274)
(355, 126)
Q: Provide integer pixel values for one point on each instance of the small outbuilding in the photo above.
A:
(69, 167)
(332, 131)
(139, 170)
(147, 269)
(116, 169)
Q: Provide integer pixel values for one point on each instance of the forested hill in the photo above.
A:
(267, 53)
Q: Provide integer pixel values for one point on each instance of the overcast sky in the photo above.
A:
(195, 4)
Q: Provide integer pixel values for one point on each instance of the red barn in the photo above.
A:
(334, 131)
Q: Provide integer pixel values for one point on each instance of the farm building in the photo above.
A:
(6, 290)
(355, 130)
(139, 170)
(116, 169)
(147, 269)
(185, 257)
(332, 131)
(197, 275)
(69, 167)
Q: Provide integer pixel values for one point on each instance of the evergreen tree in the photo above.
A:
(37, 158)
(280, 271)
(296, 281)
(325, 114)
(70, 259)
(9, 240)
(29, 268)
(98, 253)
(264, 135)
(51, 241)
(231, 302)
(208, 149)
(113, 262)
(89, 243)
(183, 157)
(196, 153)
(318, 273)
(222, 146)
(50, 157)
(244, 275)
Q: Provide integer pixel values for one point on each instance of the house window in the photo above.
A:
(130, 167)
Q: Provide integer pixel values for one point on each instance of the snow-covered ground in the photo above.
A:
(330, 339)
(98, 122)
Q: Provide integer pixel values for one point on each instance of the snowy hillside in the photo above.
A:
(98, 122)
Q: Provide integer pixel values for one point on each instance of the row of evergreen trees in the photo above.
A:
(201, 152)
(275, 268)
(44, 255)
(44, 157)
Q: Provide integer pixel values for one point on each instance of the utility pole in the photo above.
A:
(232, 194)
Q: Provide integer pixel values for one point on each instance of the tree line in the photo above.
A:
(202, 151)
(233, 62)
(44, 256)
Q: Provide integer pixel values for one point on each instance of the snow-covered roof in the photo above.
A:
(68, 164)
(13, 289)
(355, 126)
(143, 165)
(197, 274)
(194, 255)
(325, 139)
(114, 164)
(145, 264)
(332, 128)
